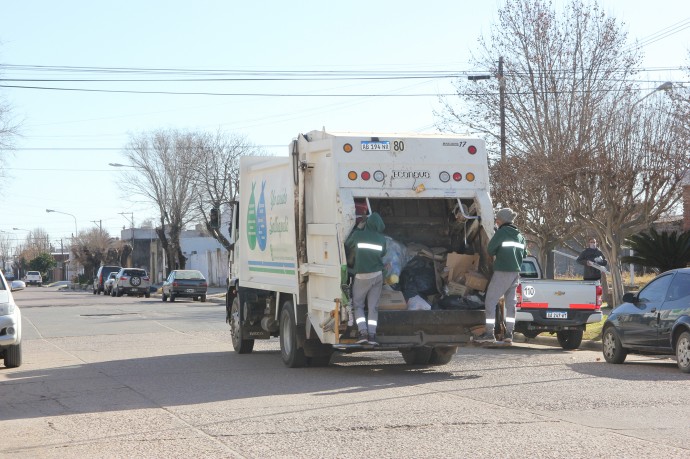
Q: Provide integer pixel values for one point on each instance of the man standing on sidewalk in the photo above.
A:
(509, 248)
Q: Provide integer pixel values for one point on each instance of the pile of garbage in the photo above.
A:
(422, 278)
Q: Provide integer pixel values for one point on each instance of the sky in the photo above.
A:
(68, 138)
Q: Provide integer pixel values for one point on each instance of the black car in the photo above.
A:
(188, 283)
(101, 277)
(654, 321)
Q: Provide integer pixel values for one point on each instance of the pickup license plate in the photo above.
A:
(190, 290)
(556, 315)
(135, 289)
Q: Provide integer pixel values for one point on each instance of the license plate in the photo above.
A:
(382, 145)
(190, 290)
(135, 289)
(556, 315)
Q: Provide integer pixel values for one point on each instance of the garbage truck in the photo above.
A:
(288, 269)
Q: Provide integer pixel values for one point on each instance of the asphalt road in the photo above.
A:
(130, 377)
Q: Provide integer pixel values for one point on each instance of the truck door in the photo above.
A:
(323, 230)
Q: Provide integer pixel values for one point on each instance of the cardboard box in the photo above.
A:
(458, 265)
(392, 300)
(476, 281)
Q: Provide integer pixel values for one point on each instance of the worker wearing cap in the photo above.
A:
(509, 248)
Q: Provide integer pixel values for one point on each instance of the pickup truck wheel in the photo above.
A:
(164, 297)
(441, 355)
(172, 298)
(203, 298)
(13, 356)
(241, 346)
(569, 339)
(683, 352)
(417, 355)
(292, 355)
(614, 352)
(118, 292)
(147, 295)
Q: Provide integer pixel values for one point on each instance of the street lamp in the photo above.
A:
(65, 213)
(666, 86)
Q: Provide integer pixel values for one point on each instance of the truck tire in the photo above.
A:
(441, 355)
(570, 339)
(95, 291)
(13, 356)
(172, 298)
(164, 297)
(613, 350)
(417, 355)
(683, 352)
(147, 295)
(241, 346)
(203, 298)
(292, 355)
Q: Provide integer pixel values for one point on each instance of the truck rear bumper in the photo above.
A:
(536, 319)
(440, 327)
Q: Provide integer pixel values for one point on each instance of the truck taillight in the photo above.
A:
(204, 284)
(472, 149)
(457, 176)
(444, 176)
(366, 175)
(469, 177)
(379, 176)
(352, 175)
(518, 295)
(175, 284)
(599, 293)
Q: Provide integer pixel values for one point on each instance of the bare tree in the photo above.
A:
(5, 249)
(566, 77)
(164, 161)
(95, 247)
(9, 130)
(633, 176)
(217, 175)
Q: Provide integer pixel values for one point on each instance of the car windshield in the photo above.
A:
(189, 275)
(33, 273)
(135, 272)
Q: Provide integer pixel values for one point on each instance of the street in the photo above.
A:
(136, 377)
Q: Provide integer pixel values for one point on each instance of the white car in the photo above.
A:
(10, 326)
(33, 278)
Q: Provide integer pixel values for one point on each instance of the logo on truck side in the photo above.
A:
(257, 226)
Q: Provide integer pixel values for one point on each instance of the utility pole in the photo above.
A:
(99, 223)
(502, 104)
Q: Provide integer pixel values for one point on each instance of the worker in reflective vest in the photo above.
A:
(509, 248)
(369, 246)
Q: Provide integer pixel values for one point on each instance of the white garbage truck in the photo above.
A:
(288, 272)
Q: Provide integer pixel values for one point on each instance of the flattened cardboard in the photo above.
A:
(392, 300)
(476, 280)
(458, 265)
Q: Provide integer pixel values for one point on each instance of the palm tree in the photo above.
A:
(662, 251)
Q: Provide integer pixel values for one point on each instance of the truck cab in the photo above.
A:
(289, 262)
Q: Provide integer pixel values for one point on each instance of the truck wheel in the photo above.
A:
(417, 355)
(570, 339)
(614, 352)
(95, 291)
(683, 352)
(241, 346)
(441, 355)
(164, 297)
(292, 355)
(203, 298)
(13, 356)
(118, 293)
(172, 298)
(112, 292)
(147, 295)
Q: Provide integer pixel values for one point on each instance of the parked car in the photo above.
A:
(101, 277)
(108, 284)
(33, 278)
(131, 281)
(10, 327)
(188, 283)
(654, 321)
